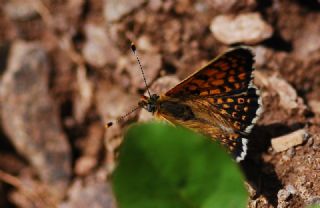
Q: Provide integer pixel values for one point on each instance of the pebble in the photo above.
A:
(98, 49)
(84, 165)
(291, 189)
(282, 143)
(19, 9)
(291, 152)
(144, 44)
(315, 106)
(30, 118)
(114, 10)
(289, 99)
(248, 28)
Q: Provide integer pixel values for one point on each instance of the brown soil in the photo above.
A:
(66, 69)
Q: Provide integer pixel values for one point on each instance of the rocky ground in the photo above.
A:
(66, 69)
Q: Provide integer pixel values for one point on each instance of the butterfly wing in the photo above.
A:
(219, 100)
(229, 73)
(226, 119)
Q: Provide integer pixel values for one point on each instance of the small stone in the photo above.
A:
(310, 142)
(84, 165)
(144, 44)
(20, 9)
(290, 152)
(98, 49)
(247, 28)
(291, 189)
(114, 10)
(283, 195)
(282, 143)
(289, 99)
(315, 106)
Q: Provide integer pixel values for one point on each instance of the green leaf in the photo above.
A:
(162, 166)
(314, 206)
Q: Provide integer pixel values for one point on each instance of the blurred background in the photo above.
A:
(66, 69)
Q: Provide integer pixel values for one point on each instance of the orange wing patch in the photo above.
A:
(228, 74)
(239, 110)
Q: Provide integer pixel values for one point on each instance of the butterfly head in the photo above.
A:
(149, 103)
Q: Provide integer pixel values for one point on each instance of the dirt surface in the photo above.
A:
(66, 69)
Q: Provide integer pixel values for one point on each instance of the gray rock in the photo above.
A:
(30, 119)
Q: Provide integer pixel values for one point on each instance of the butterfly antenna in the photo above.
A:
(134, 50)
(109, 124)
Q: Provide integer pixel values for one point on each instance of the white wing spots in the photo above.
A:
(244, 150)
(258, 111)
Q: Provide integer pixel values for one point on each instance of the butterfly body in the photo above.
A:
(219, 101)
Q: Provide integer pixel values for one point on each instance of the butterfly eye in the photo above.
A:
(154, 97)
(151, 107)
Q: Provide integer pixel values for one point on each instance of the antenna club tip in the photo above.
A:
(109, 124)
(133, 47)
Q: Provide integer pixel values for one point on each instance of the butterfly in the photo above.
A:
(219, 100)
